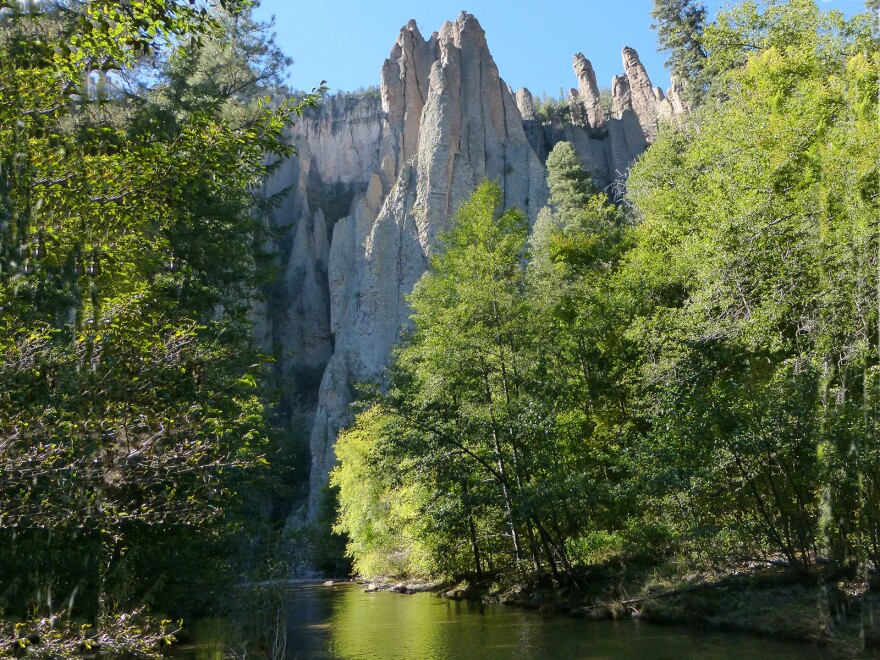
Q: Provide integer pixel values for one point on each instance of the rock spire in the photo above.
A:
(588, 91)
(381, 174)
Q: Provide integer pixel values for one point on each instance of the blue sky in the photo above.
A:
(345, 42)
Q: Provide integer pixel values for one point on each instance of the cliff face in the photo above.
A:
(378, 177)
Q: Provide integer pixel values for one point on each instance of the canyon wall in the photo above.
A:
(380, 175)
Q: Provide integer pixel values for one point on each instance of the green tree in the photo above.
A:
(464, 359)
(576, 244)
(569, 183)
(751, 339)
(680, 25)
(578, 220)
(465, 428)
(130, 409)
(488, 415)
(379, 508)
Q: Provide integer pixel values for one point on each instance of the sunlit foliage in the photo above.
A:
(130, 405)
(692, 374)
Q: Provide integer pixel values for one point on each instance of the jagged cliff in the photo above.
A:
(379, 176)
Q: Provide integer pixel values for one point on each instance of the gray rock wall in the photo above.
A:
(378, 178)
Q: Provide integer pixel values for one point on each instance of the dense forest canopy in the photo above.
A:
(694, 373)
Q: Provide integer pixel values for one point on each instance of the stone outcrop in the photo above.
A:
(380, 175)
(637, 110)
(641, 93)
(400, 164)
(610, 139)
(672, 107)
(526, 104)
(626, 134)
(588, 91)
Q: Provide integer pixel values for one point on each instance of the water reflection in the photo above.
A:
(343, 622)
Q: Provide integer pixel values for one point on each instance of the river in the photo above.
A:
(342, 621)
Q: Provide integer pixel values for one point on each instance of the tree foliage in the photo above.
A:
(130, 404)
(697, 379)
(501, 453)
(762, 262)
(680, 25)
(379, 512)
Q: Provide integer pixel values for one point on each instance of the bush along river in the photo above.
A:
(342, 620)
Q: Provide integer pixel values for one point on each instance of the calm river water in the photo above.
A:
(341, 621)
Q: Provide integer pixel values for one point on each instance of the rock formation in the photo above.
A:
(526, 104)
(641, 93)
(588, 91)
(379, 175)
(671, 106)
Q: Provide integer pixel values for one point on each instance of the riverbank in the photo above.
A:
(341, 620)
(767, 601)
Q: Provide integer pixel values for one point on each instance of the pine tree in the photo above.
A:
(680, 25)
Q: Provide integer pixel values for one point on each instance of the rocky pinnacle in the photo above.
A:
(380, 176)
(588, 91)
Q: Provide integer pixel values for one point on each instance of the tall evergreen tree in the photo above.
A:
(680, 25)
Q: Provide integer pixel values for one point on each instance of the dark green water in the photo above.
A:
(342, 621)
